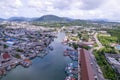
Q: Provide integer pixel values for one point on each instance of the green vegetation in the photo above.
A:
(85, 37)
(106, 40)
(115, 32)
(5, 46)
(62, 23)
(79, 35)
(74, 38)
(19, 50)
(108, 49)
(54, 24)
(86, 47)
(74, 45)
(106, 68)
(17, 56)
(95, 45)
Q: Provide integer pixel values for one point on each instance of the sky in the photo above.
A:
(77, 9)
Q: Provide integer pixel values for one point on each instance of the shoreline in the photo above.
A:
(32, 48)
(4, 71)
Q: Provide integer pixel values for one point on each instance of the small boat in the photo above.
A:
(66, 54)
(8, 68)
(68, 68)
(70, 78)
(73, 64)
(26, 63)
(50, 47)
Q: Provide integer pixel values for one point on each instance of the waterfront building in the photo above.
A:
(5, 56)
(86, 70)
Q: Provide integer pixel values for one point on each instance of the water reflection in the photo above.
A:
(51, 67)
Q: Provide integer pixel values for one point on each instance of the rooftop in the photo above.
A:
(85, 66)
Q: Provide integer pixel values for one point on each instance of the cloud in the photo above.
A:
(62, 4)
(12, 3)
(18, 3)
(9, 7)
(91, 4)
(81, 9)
(35, 4)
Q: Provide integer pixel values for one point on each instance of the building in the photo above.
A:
(5, 56)
(114, 60)
(86, 70)
(89, 44)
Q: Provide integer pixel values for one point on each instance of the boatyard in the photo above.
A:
(46, 68)
(72, 67)
(18, 46)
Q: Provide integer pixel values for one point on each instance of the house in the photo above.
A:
(89, 44)
(10, 42)
(6, 56)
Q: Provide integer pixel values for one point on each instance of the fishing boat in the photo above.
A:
(70, 78)
(50, 48)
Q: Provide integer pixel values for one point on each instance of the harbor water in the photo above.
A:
(51, 67)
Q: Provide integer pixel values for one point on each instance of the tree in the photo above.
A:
(5, 46)
(79, 35)
(75, 46)
(17, 56)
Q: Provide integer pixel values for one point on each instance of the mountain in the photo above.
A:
(19, 19)
(52, 18)
(1, 19)
(55, 19)
(45, 18)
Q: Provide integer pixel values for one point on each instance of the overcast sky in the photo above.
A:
(80, 9)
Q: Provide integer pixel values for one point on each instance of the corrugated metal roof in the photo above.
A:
(85, 66)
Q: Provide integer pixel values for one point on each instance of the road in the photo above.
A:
(95, 66)
(97, 41)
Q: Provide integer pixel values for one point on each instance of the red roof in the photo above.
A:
(27, 60)
(86, 68)
(86, 43)
(70, 78)
(73, 79)
(6, 56)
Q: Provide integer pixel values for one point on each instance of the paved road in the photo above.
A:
(97, 41)
(95, 66)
